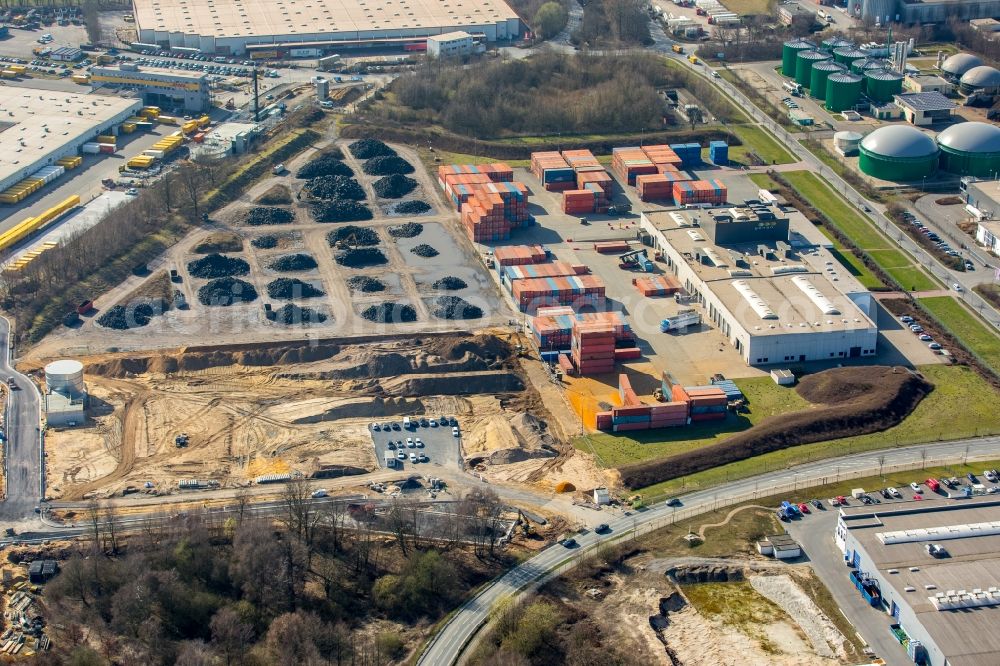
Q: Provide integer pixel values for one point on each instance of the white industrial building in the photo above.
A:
(934, 568)
(41, 126)
(767, 281)
(450, 44)
(65, 394)
(230, 26)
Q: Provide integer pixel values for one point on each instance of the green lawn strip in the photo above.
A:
(964, 325)
(765, 181)
(761, 142)
(961, 405)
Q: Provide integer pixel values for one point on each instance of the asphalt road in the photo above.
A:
(448, 645)
(22, 450)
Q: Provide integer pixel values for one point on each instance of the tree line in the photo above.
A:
(613, 23)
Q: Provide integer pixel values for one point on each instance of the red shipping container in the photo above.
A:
(625, 427)
(627, 353)
(606, 247)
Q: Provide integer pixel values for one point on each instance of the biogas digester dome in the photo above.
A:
(789, 52)
(970, 149)
(983, 77)
(898, 153)
(959, 64)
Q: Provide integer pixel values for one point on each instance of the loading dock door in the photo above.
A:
(855, 352)
(895, 610)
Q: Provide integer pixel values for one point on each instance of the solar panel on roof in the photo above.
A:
(929, 101)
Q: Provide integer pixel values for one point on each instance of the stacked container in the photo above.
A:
(662, 155)
(140, 162)
(626, 395)
(71, 162)
(631, 162)
(668, 414)
(718, 152)
(593, 348)
(483, 218)
(510, 274)
(552, 328)
(576, 290)
(575, 202)
(659, 285)
(519, 255)
(655, 187)
(604, 420)
(707, 403)
(48, 173)
(607, 247)
(580, 160)
(700, 191)
(497, 172)
(553, 171)
(689, 153)
(601, 178)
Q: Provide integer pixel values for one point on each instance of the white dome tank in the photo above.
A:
(65, 376)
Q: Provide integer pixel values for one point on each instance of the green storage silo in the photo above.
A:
(847, 55)
(842, 91)
(832, 43)
(789, 53)
(803, 65)
(820, 72)
(898, 153)
(971, 149)
(862, 65)
(882, 84)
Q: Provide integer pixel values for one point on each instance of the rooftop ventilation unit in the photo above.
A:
(825, 305)
(940, 533)
(754, 300)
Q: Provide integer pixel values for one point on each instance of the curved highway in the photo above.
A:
(23, 481)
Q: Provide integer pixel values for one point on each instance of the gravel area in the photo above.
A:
(817, 627)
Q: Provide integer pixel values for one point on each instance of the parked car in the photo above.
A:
(885, 493)
(409, 442)
(434, 423)
(925, 338)
(413, 457)
(568, 542)
(602, 528)
(990, 476)
(804, 508)
(454, 432)
(957, 287)
(673, 501)
(906, 319)
(916, 487)
(419, 443)
(816, 503)
(895, 493)
(934, 345)
(972, 477)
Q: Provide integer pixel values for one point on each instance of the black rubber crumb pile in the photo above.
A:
(290, 314)
(324, 165)
(424, 250)
(217, 265)
(450, 283)
(395, 186)
(227, 291)
(293, 262)
(411, 207)
(390, 313)
(453, 307)
(267, 215)
(335, 187)
(358, 257)
(408, 230)
(365, 149)
(292, 288)
(341, 210)
(365, 284)
(353, 235)
(387, 165)
(265, 242)
(134, 315)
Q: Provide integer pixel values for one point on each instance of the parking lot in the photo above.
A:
(437, 443)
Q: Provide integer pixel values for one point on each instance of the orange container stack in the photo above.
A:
(601, 178)
(519, 255)
(497, 172)
(490, 203)
(700, 191)
(668, 414)
(662, 155)
(593, 348)
(654, 187)
(659, 285)
(706, 403)
(575, 202)
(576, 290)
(581, 160)
(553, 171)
(626, 394)
(607, 247)
(631, 162)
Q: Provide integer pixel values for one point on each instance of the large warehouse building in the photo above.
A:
(946, 603)
(230, 26)
(767, 281)
(41, 126)
(927, 11)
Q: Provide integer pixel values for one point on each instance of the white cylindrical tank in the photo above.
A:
(846, 142)
(65, 376)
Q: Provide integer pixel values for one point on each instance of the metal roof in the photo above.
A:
(883, 75)
(925, 101)
(829, 65)
(960, 63)
(844, 77)
(971, 137)
(983, 76)
(899, 141)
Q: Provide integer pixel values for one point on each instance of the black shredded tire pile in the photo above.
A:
(365, 149)
(324, 165)
(293, 262)
(217, 265)
(412, 207)
(341, 210)
(227, 291)
(292, 288)
(358, 257)
(354, 235)
(365, 284)
(424, 250)
(408, 230)
(290, 313)
(450, 283)
(390, 313)
(335, 187)
(267, 215)
(134, 315)
(387, 165)
(453, 307)
(395, 186)
(265, 242)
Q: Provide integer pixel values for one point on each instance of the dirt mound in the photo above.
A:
(358, 257)
(412, 207)
(453, 307)
(265, 242)
(390, 313)
(265, 215)
(335, 187)
(276, 195)
(223, 241)
(365, 284)
(387, 165)
(324, 165)
(483, 346)
(217, 265)
(449, 283)
(395, 186)
(352, 234)
(341, 210)
(227, 291)
(365, 407)
(463, 384)
(408, 230)
(896, 392)
(291, 314)
(365, 149)
(378, 365)
(292, 288)
(134, 315)
(424, 250)
(293, 262)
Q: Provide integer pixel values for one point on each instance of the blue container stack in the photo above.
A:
(690, 153)
(718, 153)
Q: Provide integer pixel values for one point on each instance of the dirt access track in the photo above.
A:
(258, 409)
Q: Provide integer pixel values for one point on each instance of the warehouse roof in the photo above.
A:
(252, 18)
(967, 637)
(34, 123)
(925, 101)
(165, 72)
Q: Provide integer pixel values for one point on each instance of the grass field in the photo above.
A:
(860, 230)
(978, 337)
(961, 405)
(761, 142)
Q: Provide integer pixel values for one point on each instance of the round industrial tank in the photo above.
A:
(983, 77)
(322, 88)
(846, 142)
(863, 65)
(849, 54)
(882, 84)
(898, 153)
(971, 149)
(789, 53)
(842, 91)
(831, 43)
(820, 72)
(958, 64)
(803, 65)
(65, 376)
